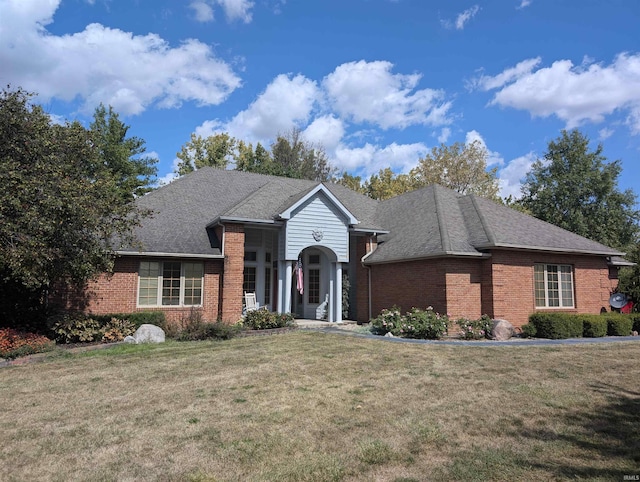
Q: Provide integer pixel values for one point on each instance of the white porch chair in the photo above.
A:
(321, 310)
(250, 303)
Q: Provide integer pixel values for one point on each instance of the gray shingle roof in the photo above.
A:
(430, 222)
(435, 221)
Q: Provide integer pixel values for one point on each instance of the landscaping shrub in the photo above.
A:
(263, 319)
(14, 344)
(557, 325)
(210, 331)
(74, 328)
(116, 329)
(475, 329)
(635, 318)
(594, 326)
(529, 330)
(193, 327)
(137, 319)
(388, 321)
(82, 328)
(417, 323)
(618, 325)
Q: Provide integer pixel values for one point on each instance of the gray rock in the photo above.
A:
(389, 335)
(129, 339)
(149, 334)
(502, 330)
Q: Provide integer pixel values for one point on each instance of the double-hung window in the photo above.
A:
(170, 283)
(553, 284)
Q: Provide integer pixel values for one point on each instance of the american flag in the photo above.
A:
(299, 278)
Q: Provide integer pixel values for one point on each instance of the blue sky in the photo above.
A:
(377, 83)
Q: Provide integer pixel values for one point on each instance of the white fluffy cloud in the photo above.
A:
(100, 64)
(523, 4)
(574, 94)
(286, 102)
(511, 176)
(369, 92)
(326, 131)
(370, 158)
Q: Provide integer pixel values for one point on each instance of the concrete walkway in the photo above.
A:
(317, 325)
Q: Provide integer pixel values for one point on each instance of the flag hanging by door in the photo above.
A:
(299, 278)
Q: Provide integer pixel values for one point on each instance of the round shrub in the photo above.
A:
(388, 321)
(529, 330)
(618, 325)
(594, 326)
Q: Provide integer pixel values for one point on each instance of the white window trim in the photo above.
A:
(160, 282)
(546, 288)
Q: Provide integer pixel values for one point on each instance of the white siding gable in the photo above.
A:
(319, 214)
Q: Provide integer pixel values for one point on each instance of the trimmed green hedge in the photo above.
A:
(595, 326)
(618, 325)
(557, 325)
(567, 325)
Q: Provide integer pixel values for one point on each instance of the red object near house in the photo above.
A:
(628, 308)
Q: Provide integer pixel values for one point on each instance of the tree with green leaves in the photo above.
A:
(386, 184)
(250, 160)
(215, 151)
(461, 167)
(352, 182)
(294, 157)
(61, 206)
(122, 155)
(577, 189)
(629, 276)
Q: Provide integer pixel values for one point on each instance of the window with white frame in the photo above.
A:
(553, 285)
(170, 283)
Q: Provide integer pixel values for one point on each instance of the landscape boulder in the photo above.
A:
(146, 334)
(502, 330)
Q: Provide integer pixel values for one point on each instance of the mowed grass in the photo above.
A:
(318, 406)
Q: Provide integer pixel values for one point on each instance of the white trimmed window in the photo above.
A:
(553, 284)
(170, 283)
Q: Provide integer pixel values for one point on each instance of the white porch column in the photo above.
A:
(281, 269)
(338, 293)
(332, 294)
(287, 287)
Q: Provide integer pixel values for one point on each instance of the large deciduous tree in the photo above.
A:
(294, 157)
(61, 205)
(214, 151)
(123, 156)
(461, 167)
(577, 189)
(386, 184)
(290, 156)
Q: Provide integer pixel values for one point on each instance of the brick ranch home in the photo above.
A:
(216, 234)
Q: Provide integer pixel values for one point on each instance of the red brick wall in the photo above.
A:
(513, 292)
(362, 277)
(419, 283)
(501, 286)
(233, 277)
(117, 292)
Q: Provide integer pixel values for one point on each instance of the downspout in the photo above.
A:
(368, 268)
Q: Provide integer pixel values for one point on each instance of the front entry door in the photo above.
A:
(312, 283)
